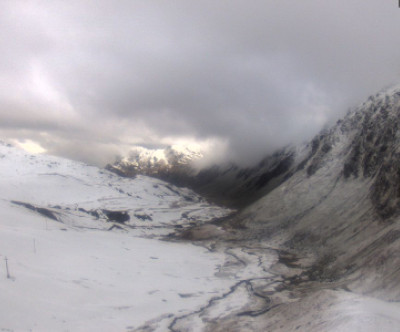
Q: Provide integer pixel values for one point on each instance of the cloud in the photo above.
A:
(85, 78)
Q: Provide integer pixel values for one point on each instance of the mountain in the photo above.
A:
(343, 202)
(231, 185)
(226, 184)
(161, 163)
(333, 217)
(236, 187)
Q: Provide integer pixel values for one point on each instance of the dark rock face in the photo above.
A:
(143, 217)
(282, 167)
(117, 216)
(320, 146)
(376, 140)
(128, 172)
(385, 193)
(43, 211)
(375, 153)
(238, 187)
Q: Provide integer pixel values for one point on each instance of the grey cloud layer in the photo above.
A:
(258, 73)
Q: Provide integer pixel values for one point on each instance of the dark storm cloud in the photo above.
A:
(259, 74)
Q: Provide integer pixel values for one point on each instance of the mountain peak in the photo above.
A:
(155, 162)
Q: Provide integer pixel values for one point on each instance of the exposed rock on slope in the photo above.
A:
(342, 204)
(238, 187)
(369, 136)
(333, 218)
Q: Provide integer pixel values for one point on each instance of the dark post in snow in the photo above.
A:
(8, 274)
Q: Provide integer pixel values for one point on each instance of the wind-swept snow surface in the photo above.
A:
(83, 252)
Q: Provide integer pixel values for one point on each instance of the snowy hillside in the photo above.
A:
(336, 222)
(332, 215)
(76, 193)
(82, 248)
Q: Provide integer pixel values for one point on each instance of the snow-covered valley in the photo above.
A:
(84, 253)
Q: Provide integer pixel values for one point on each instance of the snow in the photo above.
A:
(140, 155)
(91, 280)
(143, 157)
(74, 274)
(335, 310)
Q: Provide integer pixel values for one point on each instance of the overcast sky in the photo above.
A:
(88, 78)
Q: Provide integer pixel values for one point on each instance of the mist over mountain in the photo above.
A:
(237, 186)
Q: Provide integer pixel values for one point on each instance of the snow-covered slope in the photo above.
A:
(73, 191)
(336, 222)
(82, 248)
(343, 201)
(333, 218)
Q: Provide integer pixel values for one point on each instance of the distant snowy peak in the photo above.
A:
(141, 160)
(184, 155)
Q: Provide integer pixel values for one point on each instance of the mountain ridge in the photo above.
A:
(231, 185)
(334, 220)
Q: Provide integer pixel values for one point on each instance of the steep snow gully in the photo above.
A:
(316, 246)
